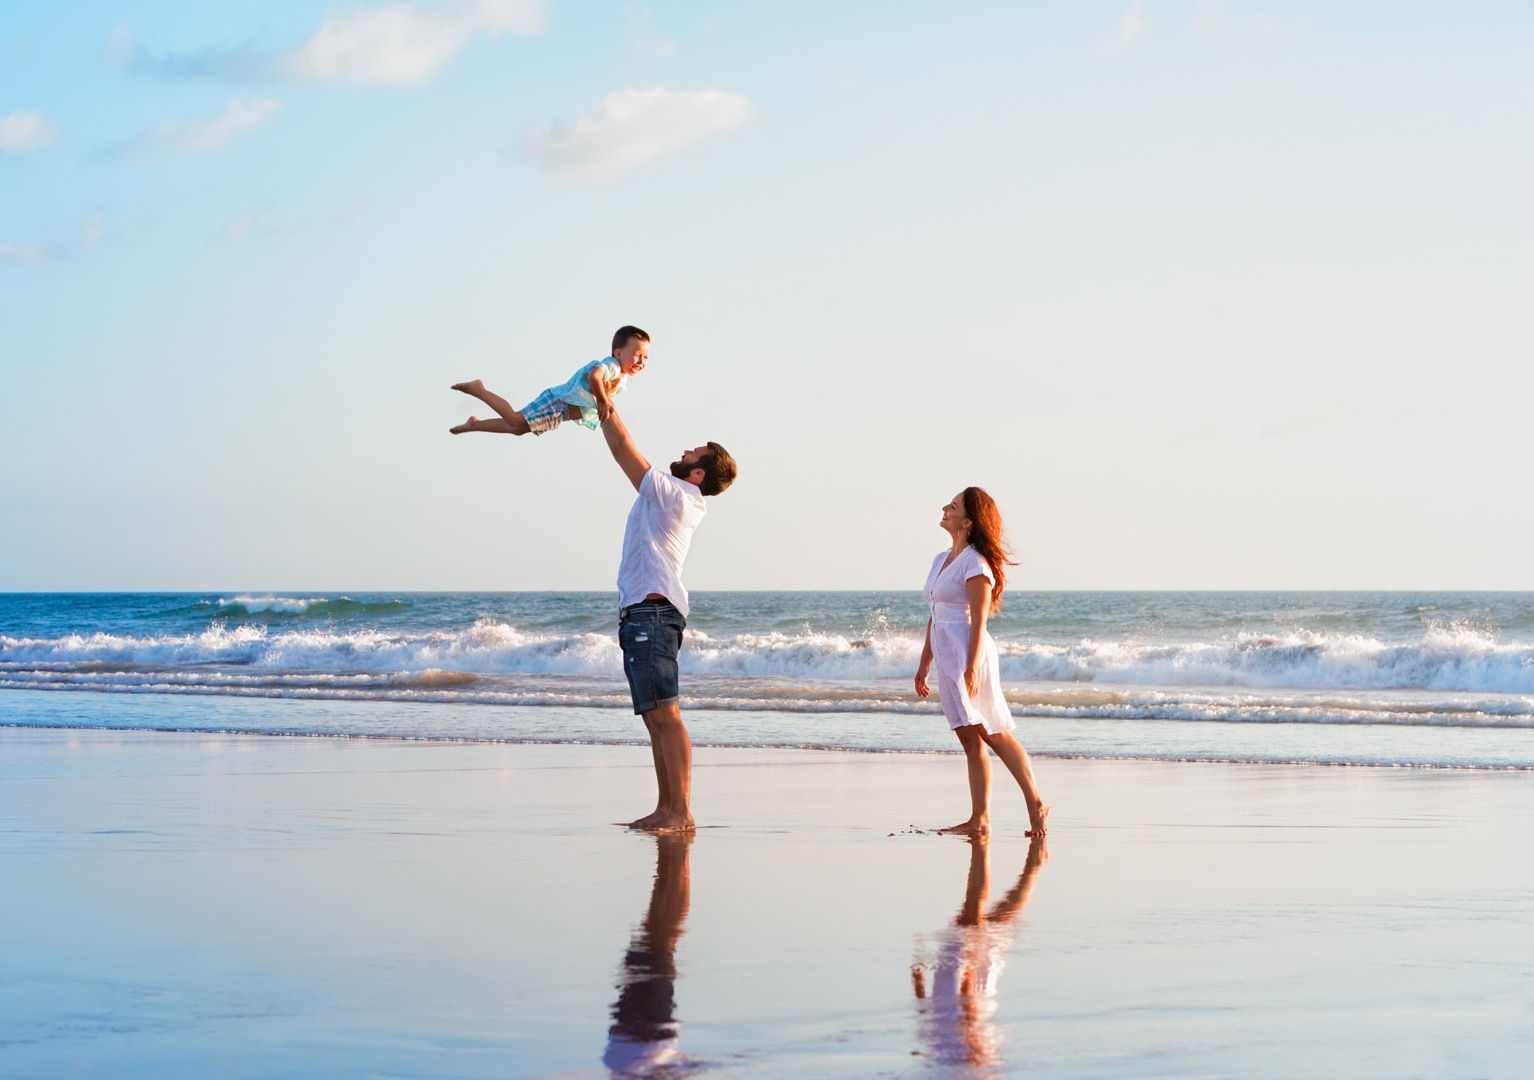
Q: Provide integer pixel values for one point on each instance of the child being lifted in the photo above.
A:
(587, 398)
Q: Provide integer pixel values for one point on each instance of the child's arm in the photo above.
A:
(599, 391)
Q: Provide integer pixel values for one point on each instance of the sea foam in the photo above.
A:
(1441, 659)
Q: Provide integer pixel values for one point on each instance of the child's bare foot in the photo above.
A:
(972, 827)
(1039, 821)
(467, 425)
(474, 388)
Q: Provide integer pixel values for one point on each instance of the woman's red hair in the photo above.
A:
(987, 536)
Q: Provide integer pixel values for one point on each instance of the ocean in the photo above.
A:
(1366, 678)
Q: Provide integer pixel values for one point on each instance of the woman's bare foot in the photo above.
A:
(972, 827)
(648, 821)
(467, 425)
(473, 388)
(1039, 821)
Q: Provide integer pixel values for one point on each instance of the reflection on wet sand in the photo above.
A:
(957, 970)
(643, 1038)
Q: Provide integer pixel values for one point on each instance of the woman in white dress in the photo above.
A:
(963, 587)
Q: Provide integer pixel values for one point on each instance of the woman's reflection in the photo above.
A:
(642, 1040)
(955, 975)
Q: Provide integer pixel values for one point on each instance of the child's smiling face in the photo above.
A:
(633, 356)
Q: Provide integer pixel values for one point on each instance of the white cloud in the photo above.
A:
(401, 44)
(404, 44)
(199, 135)
(1211, 16)
(1132, 26)
(630, 127)
(10, 253)
(1215, 18)
(237, 230)
(21, 132)
(649, 48)
(259, 222)
(89, 235)
(92, 229)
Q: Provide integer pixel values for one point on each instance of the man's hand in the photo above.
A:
(599, 393)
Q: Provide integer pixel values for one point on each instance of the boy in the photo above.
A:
(586, 398)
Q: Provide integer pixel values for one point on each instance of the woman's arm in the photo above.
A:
(979, 588)
(925, 667)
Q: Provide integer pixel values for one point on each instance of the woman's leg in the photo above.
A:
(979, 823)
(1015, 758)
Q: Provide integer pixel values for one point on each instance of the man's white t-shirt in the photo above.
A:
(656, 539)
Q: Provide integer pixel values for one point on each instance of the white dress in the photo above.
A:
(947, 593)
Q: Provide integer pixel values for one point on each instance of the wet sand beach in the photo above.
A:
(190, 904)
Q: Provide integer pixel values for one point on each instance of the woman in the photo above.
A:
(965, 583)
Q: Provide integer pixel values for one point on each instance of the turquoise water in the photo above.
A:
(1378, 678)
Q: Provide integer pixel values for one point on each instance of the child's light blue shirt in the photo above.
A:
(577, 391)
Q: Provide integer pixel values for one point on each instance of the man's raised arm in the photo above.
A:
(629, 459)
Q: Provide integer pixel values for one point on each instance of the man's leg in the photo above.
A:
(672, 750)
(662, 784)
(651, 638)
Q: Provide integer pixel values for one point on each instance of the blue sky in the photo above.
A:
(1209, 295)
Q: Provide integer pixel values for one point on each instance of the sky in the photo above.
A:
(1208, 295)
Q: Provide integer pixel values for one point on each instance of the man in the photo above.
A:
(652, 604)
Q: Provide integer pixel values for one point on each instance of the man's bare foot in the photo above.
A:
(1039, 821)
(972, 827)
(674, 823)
(474, 387)
(467, 425)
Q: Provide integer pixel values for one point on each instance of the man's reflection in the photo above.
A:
(955, 975)
(643, 1038)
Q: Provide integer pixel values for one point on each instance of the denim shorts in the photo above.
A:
(650, 634)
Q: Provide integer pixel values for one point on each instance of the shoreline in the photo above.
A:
(456, 740)
(1423, 746)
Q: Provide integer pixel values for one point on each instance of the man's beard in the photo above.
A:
(681, 470)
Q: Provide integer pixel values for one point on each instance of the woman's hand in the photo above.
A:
(969, 681)
(924, 665)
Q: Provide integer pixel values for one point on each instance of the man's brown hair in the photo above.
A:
(621, 338)
(718, 469)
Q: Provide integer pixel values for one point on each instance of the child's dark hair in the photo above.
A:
(621, 338)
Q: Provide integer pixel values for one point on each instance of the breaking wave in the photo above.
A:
(1454, 660)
